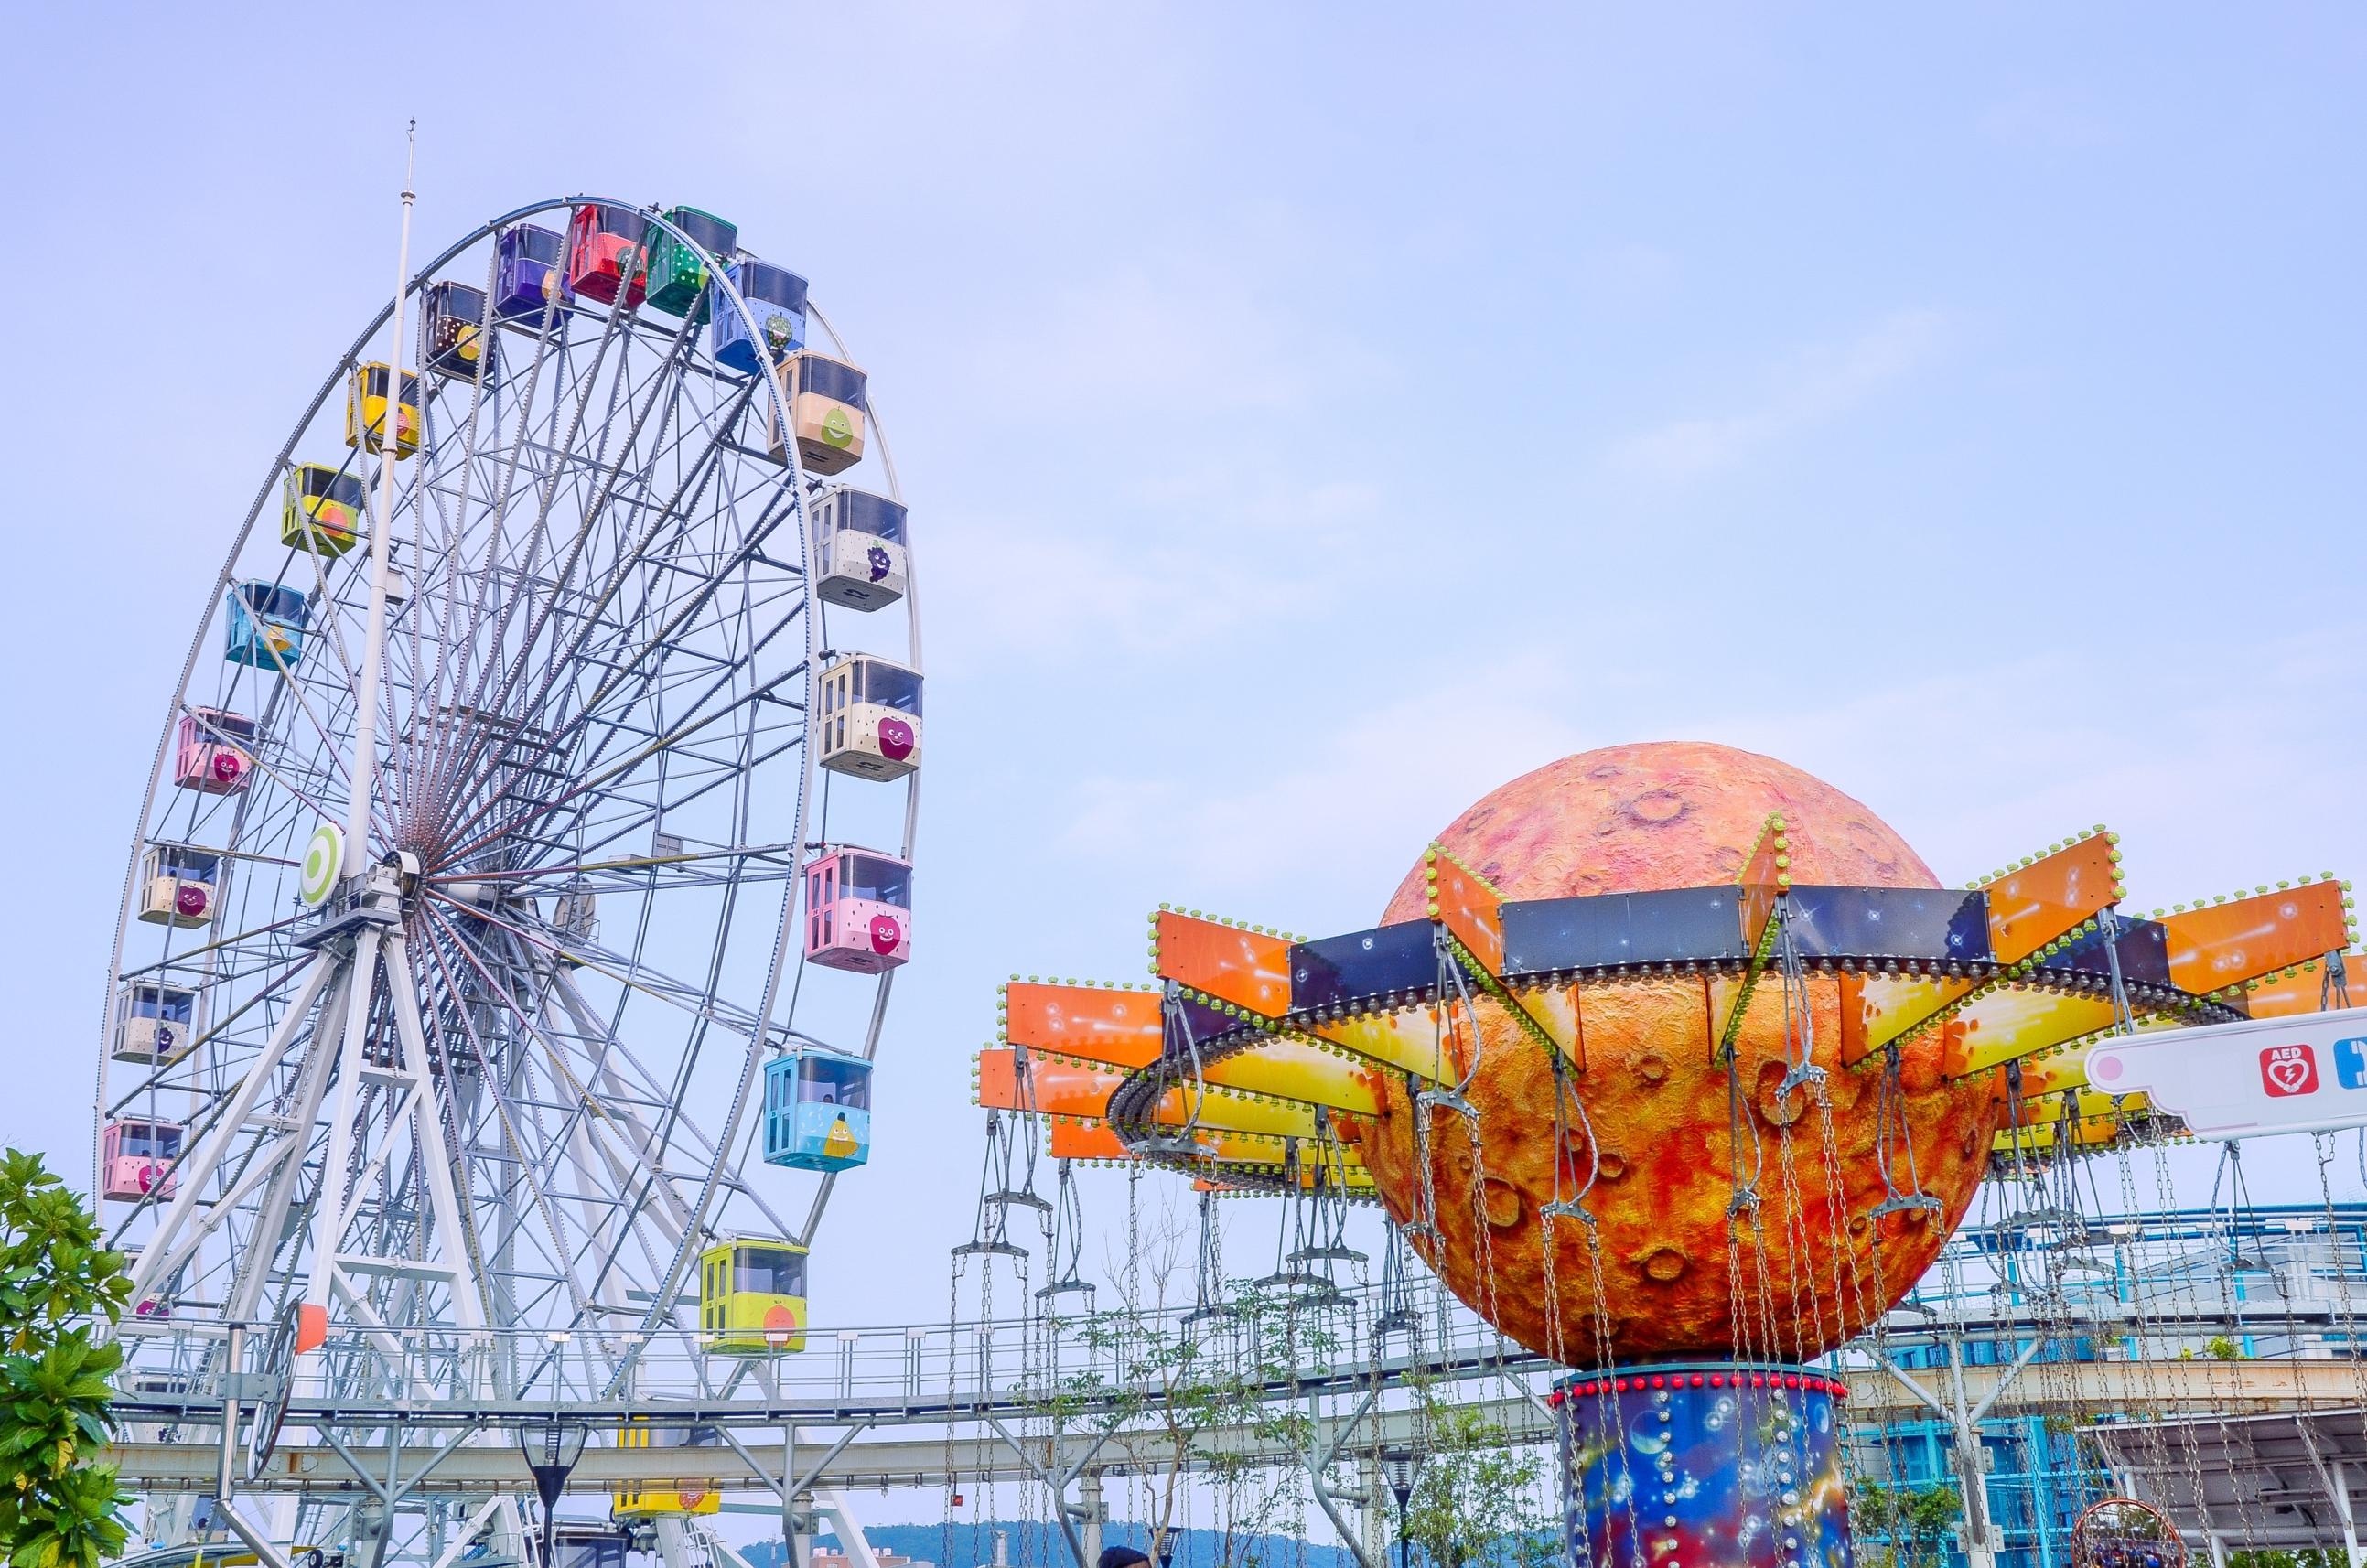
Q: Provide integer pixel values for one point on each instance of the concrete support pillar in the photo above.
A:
(1091, 1514)
(2337, 1486)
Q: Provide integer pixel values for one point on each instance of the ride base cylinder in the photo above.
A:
(1702, 1465)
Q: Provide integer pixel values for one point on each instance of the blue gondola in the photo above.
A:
(266, 626)
(817, 1110)
(776, 297)
(527, 275)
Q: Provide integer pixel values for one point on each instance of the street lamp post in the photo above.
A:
(551, 1449)
(1402, 1469)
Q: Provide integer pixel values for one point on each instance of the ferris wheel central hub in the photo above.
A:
(372, 898)
(381, 896)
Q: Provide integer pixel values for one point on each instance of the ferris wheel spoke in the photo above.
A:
(557, 737)
(545, 499)
(620, 1100)
(585, 530)
(236, 940)
(595, 784)
(583, 1100)
(700, 1002)
(197, 1044)
(508, 1116)
(485, 577)
(452, 521)
(704, 1146)
(593, 675)
(626, 874)
(294, 690)
(699, 474)
(569, 1143)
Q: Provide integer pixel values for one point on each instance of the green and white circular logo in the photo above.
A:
(324, 858)
(834, 428)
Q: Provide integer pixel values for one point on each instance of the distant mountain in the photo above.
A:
(1033, 1544)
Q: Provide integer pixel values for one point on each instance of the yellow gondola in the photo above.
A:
(752, 1297)
(320, 510)
(366, 408)
(637, 1434)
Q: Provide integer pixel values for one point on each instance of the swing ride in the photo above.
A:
(1680, 1067)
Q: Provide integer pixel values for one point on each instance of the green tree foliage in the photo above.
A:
(58, 1510)
(1902, 1527)
(1170, 1395)
(1167, 1385)
(1476, 1503)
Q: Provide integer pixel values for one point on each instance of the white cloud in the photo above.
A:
(1198, 334)
(1181, 561)
(1338, 814)
(1821, 384)
(2219, 768)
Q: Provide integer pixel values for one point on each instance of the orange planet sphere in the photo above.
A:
(1661, 1271)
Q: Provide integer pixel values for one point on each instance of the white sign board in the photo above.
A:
(2230, 1080)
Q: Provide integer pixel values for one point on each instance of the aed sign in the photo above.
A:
(2288, 1069)
(2231, 1081)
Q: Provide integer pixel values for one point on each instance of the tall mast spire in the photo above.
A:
(365, 694)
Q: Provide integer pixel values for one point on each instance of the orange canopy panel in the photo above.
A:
(1098, 1140)
(1120, 1029)
(1766, 875)
(2028, 907)
(2033, 905)
(2052, 1072)
(1233, 964)
(1357, 1182)
(1293, 1069)
(2244, 939)
(1472, 911)
(1056, 1088)
(2305, 990)
(1561, 1013)
(2049, 1074)
(2097, 1119)
(1088, 1140)
(2011, 1022)
(1408, 1040)
(1052, 1087)
(1879, 1009)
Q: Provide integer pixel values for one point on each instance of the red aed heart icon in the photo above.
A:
(2289, 1070)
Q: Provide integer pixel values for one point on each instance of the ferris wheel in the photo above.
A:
(528, 846)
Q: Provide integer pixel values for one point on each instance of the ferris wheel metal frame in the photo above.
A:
(340, 1039)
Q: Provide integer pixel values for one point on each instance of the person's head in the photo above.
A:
(1120, 1557)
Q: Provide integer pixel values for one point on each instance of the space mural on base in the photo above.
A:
(1702, 1463)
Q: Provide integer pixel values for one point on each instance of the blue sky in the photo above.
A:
(1312, 416)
